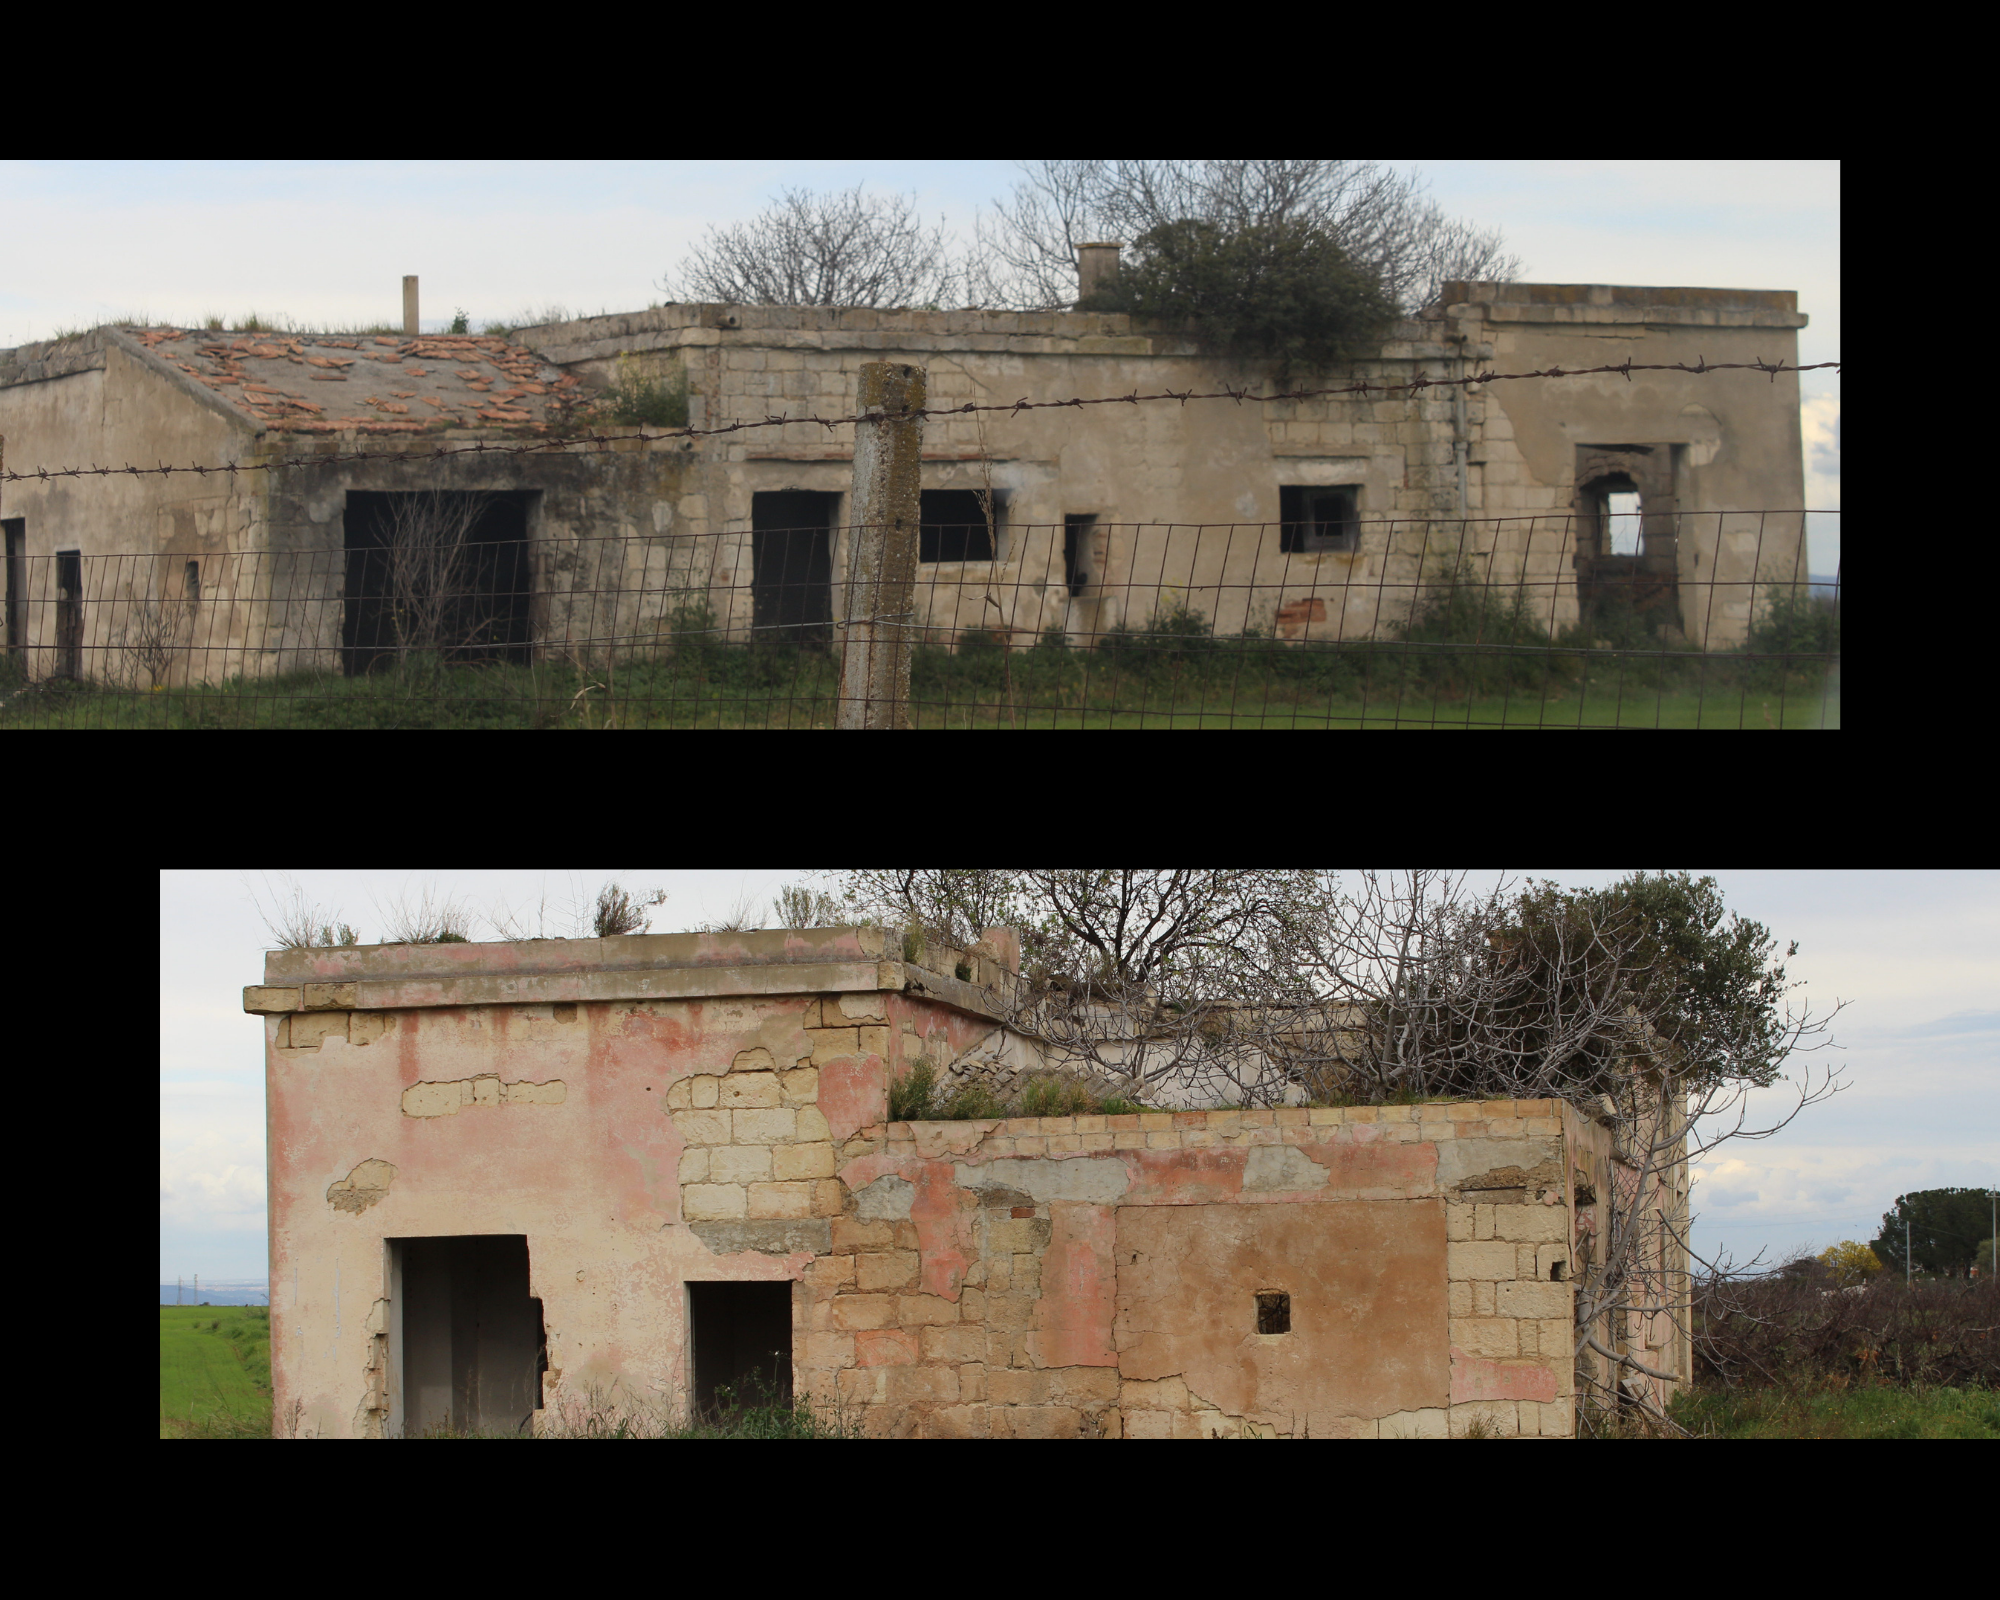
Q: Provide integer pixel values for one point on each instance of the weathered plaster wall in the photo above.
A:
(656, 1111)
(92, 401)
(1096, 1276)
(1150, 473)
(522, 1089)
(1730, 440)
(270, 546)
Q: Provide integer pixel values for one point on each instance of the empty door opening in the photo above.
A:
(742, 1344)
(470, 1352)
(791, 565)
(443, 571)
(17, 584)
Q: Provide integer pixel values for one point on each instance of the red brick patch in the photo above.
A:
(1293, 618)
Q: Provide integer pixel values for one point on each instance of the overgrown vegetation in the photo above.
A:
(918, 1096)
(1791, 1331)
(1466, 657)
(635, 399)
(1280, 292)
(1840, 1413)
(1800, 1355)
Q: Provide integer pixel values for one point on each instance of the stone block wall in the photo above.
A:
(1024, 1277)
(653, 1113)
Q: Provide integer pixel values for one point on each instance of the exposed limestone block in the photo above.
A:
(361, 1188)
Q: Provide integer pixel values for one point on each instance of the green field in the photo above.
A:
(742, 688)
(1860, 1413)
(215, 1372)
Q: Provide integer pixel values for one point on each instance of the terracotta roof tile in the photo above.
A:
(432, 371)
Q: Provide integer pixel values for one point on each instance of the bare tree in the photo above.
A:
(823, 250)
(1027, 247)
(945, 905)
(153, 630)
(1127, 972)
(428, 570)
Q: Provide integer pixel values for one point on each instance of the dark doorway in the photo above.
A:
(953, 525)
(742, 1344)
(69, 613)
(1076, 551)
(17, 583)
(1626, 584)
(791, 563)
(460, 586)
(471, 1351)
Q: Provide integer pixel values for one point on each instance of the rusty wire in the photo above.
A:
(599, 440)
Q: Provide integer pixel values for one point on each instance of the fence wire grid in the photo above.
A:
(1407, 622)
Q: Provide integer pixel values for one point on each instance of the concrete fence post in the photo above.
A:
(410, 307)
(882, 551)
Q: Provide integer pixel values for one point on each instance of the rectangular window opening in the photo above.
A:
(1274, 1312)
(742, 1345)
(954, 524)
(1319, 519)
(1621, 520)
(191, 583)
(470, 1348)
(1077, 531)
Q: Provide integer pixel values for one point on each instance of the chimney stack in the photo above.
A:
(410, 307)
(1096, 266)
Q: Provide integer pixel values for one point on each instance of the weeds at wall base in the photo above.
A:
(704, 682)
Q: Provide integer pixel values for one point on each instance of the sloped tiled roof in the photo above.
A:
(317, 383)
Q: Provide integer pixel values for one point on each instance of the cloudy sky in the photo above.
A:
(328, 242)
(1915, 956)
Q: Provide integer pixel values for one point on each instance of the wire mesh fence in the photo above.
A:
(1543, 621)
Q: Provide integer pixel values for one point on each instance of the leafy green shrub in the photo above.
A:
(970, 1100)
(1795, 623)
(1281, 292)
(694, 635)
(1057, 1097)
(1487, 636)
(1176, 636)
(910, 1095)
(638, 401)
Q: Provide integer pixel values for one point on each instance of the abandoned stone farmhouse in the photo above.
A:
(1308, 520)
(509, 1181)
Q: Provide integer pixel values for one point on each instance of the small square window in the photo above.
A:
(1274, 1312)
(953, 525)
(1319, 519)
